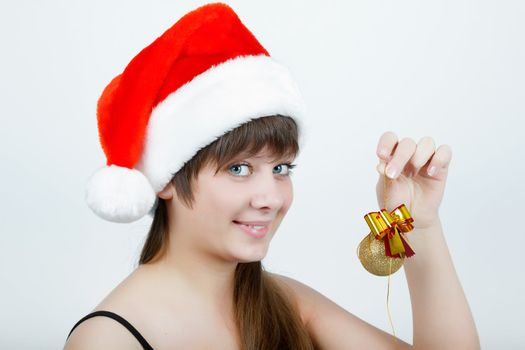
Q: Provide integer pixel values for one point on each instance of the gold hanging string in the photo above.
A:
(387, 307)
(369, 239)
(385, 198)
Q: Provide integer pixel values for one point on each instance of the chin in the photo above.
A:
(255, 255)
(245, 261)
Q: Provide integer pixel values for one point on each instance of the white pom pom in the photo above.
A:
(119, 194)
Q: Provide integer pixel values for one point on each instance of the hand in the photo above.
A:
(409, 181)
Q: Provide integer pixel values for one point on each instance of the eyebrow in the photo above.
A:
(246, 155)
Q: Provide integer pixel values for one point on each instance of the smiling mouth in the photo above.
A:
(255, 230)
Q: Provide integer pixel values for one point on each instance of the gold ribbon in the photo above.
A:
(383, 224)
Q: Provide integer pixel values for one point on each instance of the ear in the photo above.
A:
(167, 192)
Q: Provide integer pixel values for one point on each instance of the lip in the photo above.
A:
(257, 223)
(253, 233)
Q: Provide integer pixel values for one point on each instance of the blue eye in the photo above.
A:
(237, 169)
(287, 168)
(242, 170)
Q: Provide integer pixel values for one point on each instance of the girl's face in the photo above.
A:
(237, 210)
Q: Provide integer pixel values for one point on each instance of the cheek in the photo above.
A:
(222, 200)
(288, 196)
(286, 199)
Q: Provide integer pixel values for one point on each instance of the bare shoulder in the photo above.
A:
(330, 325)
(166, 318)
(298, 293)
(101, 333)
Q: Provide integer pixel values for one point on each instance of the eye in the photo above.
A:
(284, 169)
(239, 169)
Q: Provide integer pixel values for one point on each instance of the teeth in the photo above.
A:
(254, 227)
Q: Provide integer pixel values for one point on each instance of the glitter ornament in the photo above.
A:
(371, 253)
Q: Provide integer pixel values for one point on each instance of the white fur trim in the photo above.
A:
(119, 194)
(213, 103)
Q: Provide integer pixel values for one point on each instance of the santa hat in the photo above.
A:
(203, 77)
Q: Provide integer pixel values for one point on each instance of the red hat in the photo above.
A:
(203, 77)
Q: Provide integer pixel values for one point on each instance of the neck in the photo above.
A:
(207, 276)
(198, 273)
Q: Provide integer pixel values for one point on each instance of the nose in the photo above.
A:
(270, 193)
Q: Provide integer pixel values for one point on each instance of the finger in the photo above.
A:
(404, 151)
(424, 151)
(386, 145)
(381, 168)
(439, 161)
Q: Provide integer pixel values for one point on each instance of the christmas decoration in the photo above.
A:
(383, 251)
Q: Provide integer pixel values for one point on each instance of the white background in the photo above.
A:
(453, 70)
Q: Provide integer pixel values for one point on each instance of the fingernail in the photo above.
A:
(383, 153)
(391, 172)
(431, 171)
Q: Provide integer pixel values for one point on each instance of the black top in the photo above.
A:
(120, 320)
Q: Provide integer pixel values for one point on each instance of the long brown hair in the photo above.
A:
(266, 318)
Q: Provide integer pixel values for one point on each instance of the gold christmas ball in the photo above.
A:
(372, 256)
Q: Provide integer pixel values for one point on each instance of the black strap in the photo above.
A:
(119, 319)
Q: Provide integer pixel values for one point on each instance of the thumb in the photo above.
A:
(381, 168)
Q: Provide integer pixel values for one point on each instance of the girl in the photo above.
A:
(201, 129)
